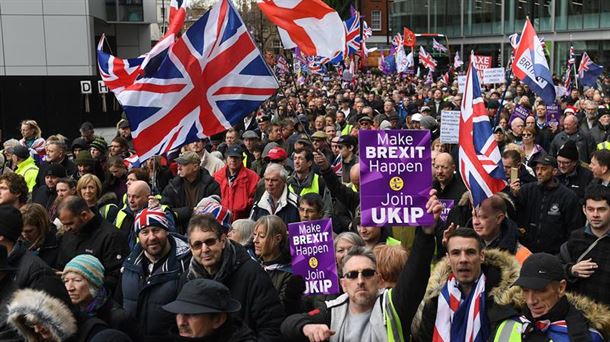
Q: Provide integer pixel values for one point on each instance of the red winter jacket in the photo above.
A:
(239, 196)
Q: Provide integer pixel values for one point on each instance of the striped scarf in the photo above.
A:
(461, 319)
(556, 331)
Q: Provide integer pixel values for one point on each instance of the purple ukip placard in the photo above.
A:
(313, 256)
(395, 177)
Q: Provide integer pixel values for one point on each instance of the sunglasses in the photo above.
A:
(196, 245)
(366, 273)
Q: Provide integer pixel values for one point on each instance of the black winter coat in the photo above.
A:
(174, 195)
(547, 215)
(577, 181)
(261, 309)
(233, 330)
(454, 190)
(101, 239)
(144, 296)
(44, 196)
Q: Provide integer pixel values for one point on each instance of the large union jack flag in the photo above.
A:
(352, 34)
(480, 160)
(118, 73)
(211, 78)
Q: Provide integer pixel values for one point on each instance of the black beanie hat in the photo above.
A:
(11, 222)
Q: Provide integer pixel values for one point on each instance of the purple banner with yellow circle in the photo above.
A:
(395, 177)
(313, 256)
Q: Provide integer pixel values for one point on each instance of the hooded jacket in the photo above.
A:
(597, 316)
(144, 296)
(501, 270)
(30, 307)
(248, 283)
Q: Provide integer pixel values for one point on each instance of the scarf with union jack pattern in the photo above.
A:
(461, 319)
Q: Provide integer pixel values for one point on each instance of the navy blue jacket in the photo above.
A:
(143, 297)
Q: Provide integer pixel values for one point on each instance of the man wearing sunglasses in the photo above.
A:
(361, 313)
(217, 258)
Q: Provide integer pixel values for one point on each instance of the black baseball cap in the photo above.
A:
(200, 296)
(235, 151)
(348, 140)
(545, 159)
(56, 170)
(539, 270)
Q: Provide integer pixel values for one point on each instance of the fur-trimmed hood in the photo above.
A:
(503, 262)
(29, 307)
(597, 314)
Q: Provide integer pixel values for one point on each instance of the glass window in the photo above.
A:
(445, 17)
(483, 17)
(131, 10)
(376, 20)
(111, 10)
(590, 13)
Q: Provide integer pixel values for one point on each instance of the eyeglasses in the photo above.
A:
(197, 245)
(366, 273)
(527, 135)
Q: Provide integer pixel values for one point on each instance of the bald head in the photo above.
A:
(517, 126)
(354, 175)
(444, 167)
(137, 195)
(570, 124)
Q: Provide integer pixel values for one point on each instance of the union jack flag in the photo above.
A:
(397, 41)
(118, 73)
(150, 217)
(480, 160)
(426, 59)
(210, 79)
(367, 32)
(352, 34)
(438, 46)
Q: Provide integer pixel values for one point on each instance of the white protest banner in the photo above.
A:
(450, 127)
(461, 83)
(493, 75)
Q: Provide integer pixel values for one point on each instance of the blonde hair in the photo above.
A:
(274, 226)
(33, 124)
(85, 180)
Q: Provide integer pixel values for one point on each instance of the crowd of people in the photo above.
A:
(193, 245)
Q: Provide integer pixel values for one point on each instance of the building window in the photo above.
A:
(376, 20)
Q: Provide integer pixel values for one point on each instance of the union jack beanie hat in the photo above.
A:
(151, 217)
(211, 206)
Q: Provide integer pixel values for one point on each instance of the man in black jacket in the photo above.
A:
(88, 233)
(190, 185)
(46, 194)
(203, 313)
(28, 270)
(586, 254)
(446, 182)
(388, 313)
(548, 211)
(217, 258)
(571, 174)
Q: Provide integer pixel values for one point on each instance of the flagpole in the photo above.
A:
(508, 78)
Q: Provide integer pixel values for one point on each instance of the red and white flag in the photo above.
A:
(311, 25)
